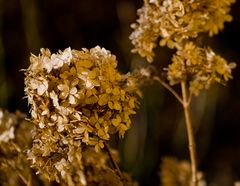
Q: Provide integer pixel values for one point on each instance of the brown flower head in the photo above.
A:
(176, 20)
(76, 97)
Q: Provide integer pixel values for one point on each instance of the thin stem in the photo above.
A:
(190, 133)
(24, 180)
(30, 180)
(189, 99)
(114, 164)
(168, 88)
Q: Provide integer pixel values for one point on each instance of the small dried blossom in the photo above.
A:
(7, 126)
(199, 66)
(174, 21)
(77, 97)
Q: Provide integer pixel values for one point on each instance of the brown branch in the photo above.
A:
(114, 164)
(170, 89)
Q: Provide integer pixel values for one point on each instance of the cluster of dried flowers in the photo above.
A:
(200, 66)
(78, 98)
(176, 24)
(174, 21)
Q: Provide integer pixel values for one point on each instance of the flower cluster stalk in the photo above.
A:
(185, 102)
(190, 134)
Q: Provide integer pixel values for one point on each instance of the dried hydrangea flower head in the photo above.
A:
(174, 21)
(77, 97)
(199, 66)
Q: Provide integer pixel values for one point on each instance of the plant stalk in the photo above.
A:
(190, 134)
(114, 164)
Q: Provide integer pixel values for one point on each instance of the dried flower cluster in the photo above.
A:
(77, 97)
(174, 21)
(178, 173)
(200, 66)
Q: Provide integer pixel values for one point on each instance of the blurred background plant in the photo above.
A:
(158, 129)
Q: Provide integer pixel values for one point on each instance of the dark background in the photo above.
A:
(158, 129)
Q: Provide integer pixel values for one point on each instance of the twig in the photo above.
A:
(114, 164)
(20, 175)
(168, 88)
